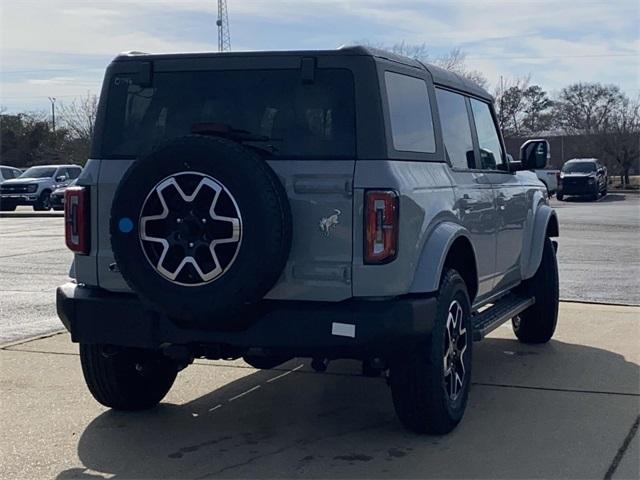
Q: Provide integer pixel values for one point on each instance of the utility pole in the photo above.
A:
(53, 112)
(224, 38)
(501, 103)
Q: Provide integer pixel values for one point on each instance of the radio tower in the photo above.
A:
(224, 38)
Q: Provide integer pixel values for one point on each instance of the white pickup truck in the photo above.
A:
(549, 178)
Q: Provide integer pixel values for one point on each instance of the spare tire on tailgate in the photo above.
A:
(201, 229)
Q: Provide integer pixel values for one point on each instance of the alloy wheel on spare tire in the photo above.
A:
(201, 229)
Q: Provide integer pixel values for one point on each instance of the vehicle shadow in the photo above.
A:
(610, 197)
(309, 425)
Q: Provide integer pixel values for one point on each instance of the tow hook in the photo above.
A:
(320, 364)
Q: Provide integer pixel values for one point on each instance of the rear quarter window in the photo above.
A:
(409, 113)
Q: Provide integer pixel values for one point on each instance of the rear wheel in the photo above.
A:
(538, 323)
(126, 378)
(44, 202)
(430, 385)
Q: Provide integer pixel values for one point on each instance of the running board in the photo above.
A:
(502, 311)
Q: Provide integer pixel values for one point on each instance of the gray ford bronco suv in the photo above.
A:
(320, 204)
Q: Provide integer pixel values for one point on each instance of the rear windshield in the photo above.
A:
(579, 167)
(270, 110)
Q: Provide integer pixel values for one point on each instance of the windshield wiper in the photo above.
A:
(227, 131)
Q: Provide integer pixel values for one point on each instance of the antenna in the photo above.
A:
(224, 38)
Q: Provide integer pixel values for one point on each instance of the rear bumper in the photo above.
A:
(351, 329)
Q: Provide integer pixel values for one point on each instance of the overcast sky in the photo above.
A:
(61, 47)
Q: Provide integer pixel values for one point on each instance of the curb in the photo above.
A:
(31, 214)
(613, 190)
(593, 302)
(33, 338)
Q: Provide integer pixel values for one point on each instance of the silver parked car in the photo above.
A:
(323, 204)
(35, 185)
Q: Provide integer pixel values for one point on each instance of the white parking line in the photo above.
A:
(285, 373)
(244, 393)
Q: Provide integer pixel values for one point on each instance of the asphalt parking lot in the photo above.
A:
(562, 410)
(599, 255)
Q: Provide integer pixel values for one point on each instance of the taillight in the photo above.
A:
(380, 226)
(76, 219)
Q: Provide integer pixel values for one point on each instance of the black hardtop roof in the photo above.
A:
(440, 76)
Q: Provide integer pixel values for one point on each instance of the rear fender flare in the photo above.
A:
(434, 253)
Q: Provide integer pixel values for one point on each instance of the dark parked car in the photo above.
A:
(57, 196)
(583, 177)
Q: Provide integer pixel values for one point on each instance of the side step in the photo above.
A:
(503, 310)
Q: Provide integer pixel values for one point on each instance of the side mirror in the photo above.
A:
(61, 178)
(534, 154)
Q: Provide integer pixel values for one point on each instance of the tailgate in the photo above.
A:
(320, 195)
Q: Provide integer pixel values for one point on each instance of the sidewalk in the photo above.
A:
(561, 410)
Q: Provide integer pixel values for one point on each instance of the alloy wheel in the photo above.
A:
(190, 228)
(455, 346)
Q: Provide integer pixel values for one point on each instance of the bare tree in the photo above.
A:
(454, 61)
(621, 140)
(586, 108)
(79, 117)
(509, 102)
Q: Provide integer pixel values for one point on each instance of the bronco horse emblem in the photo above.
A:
(327, 223)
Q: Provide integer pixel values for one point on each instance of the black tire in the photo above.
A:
(126, 379)
(43, 204)
(58, 208)
(538, 323)
(559, 196)
(7, 206)
(421, 393)
(264, 363)
(256, 261)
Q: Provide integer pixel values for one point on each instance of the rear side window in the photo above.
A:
(456, 131)
(270, 110)
(491, 155)
(410, 114)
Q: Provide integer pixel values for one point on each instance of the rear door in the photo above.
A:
(475, 200)
(299, 114)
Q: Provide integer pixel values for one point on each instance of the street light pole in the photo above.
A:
(53, 112)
